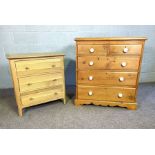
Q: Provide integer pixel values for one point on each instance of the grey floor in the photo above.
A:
(56, 115)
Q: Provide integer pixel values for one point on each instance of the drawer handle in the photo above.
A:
(90, 78)
(29, 84)
(90, 93)
(91, 63)
(123, 64)
(26, 68)
(31, 99)
(120, 95)
(54, 79)
(121, 79)
(125, 50)
(55, 93)
(53, 65)
(92, 50)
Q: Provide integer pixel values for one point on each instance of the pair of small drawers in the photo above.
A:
(37, 79)
(107, 70)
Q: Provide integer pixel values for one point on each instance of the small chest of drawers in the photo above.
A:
(107, 71)
(37, 78)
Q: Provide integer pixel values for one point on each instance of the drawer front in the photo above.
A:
(106, 93)
(92, 49)
(113, 62)
(41, 97)
(31, 83)
(39, 72)
(125, 49)
(38, 64)
(97, 77)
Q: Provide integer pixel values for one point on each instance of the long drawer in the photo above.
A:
(100, 77)
(93, 49)
(38, 64)
(106, 93)
(41, 97)
(31, 83)
(110, 62)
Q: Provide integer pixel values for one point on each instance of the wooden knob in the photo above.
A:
(31, 99)
(125, 50)
(90, 93)
(123, 64)
(120, 95)
(121, 79)
(91, 50)
(91, 63)
(53, 65)
(26, 68)
(29, 84)
(90, 78)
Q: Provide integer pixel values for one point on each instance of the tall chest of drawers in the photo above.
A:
(37, 78)
(107, 71)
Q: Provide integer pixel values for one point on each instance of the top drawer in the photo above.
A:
(125, 49)
(92, 49)
(38, 64)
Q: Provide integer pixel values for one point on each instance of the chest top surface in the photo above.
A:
(33, 55)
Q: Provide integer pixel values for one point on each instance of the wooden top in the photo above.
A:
(111, 38)
(33, 55)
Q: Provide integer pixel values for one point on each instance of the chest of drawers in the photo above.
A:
(107, 71)
(37, 78)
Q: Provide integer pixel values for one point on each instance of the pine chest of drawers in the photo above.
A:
(107, 71)
(37, 78)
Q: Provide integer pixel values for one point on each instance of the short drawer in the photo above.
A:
(39, 64)
(99, 77)
(106, 93)
(92, 49)
(41, 97)
(111, 62)
(28, 84)
(125, 49)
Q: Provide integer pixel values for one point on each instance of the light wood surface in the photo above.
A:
(92, 50)
(108, 77)
(33, 55)
(37, 79)
(111, 38)
(108, 62)
(106, 93)
(101, 77)
(119, 49)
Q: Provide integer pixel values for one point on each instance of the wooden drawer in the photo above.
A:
(41, 97)
(125, 49)
(99, 77)
(106, 93)
(28, 84)
(111, 62)
(92, 49)
(38, 64)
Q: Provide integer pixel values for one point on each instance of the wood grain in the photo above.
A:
(37, 79)
(108, 62)
(98, 75)
(101, 77)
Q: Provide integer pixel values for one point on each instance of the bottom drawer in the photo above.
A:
(41, 97)
(106, 93)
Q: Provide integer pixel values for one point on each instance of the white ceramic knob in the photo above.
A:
(123, 64)
(121, 79)
(91, 50)
(90, 93)
(90, 78)
(120, 95)
(125, 50)
(91, 63)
